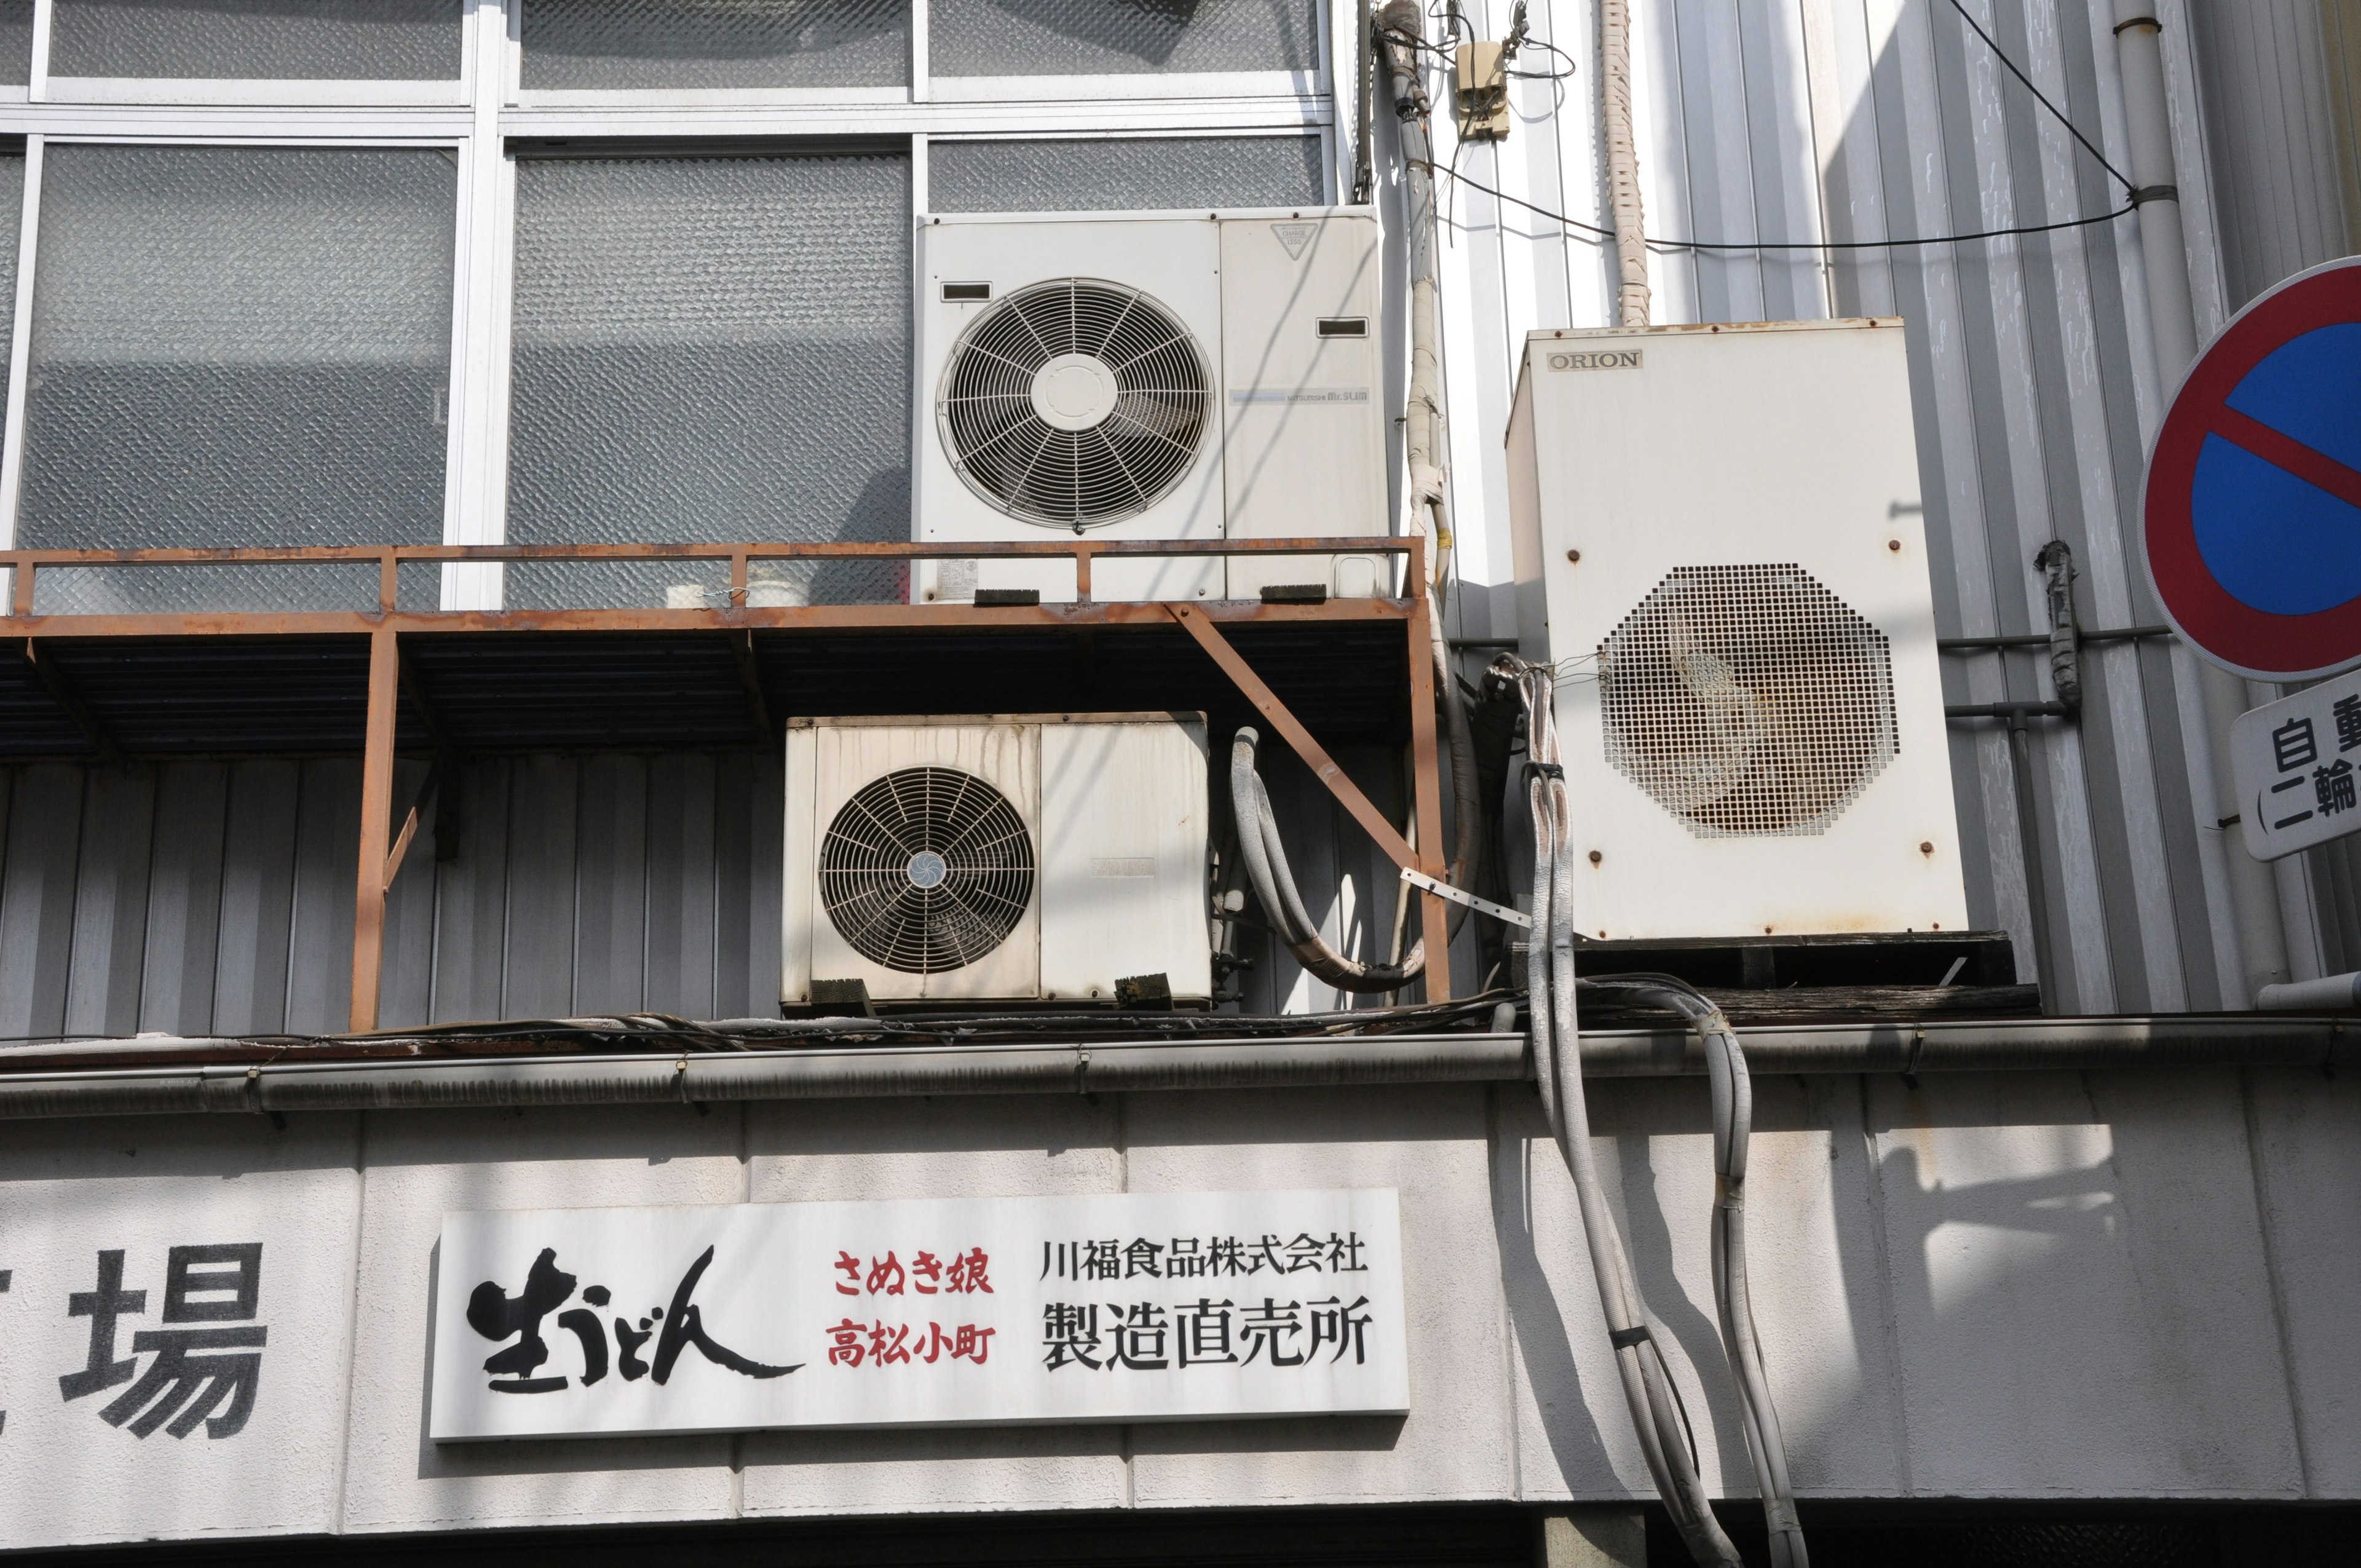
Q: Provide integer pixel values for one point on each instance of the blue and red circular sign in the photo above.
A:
(2252, 512)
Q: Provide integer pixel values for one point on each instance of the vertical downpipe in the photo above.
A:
(2172, 327)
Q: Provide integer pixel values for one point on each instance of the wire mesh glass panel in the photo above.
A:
(674, 44)
(318, 40)
(15, 42)
(157, 590)
(1115, 175)
(239, 346)
(1070, 37)
(710, 349)
(12, 224)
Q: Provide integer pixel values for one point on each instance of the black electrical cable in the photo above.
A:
(2072, 128)
(1671, 246)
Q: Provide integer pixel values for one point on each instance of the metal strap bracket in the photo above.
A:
(1481, 905)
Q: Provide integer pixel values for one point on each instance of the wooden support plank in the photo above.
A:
(377, 811)
(1322, 766)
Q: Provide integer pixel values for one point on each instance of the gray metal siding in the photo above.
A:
(206, 896)
(202, 897)
(2278, 79)
(2033, 391)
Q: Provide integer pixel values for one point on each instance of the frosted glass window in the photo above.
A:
(319, 40)
(15, 42)
(239, 346)
(1067, 38)
(1119, 174)
(710, 349)
(674, 44)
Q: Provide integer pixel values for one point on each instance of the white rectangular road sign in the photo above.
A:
(561, 1323)
(2298, 762)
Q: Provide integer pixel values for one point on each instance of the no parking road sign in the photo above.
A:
(2252, 514)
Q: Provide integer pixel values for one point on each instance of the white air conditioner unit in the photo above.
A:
(1000, 859)
(1718, 546)
(1150, 376)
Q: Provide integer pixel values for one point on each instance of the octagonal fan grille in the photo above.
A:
(1747, 699)
(1116, 468)
(925, 870)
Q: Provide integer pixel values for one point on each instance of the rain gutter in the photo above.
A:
(891, 1071)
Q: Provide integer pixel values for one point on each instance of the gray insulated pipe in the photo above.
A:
(1275, 889)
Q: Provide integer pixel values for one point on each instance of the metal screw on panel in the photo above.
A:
(1574, 554)
(1926, 847)
(1596, 857)
(1893, 544)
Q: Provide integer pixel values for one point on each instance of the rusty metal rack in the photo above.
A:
(385, 679)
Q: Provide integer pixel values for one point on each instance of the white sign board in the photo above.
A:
(559, 1322)
(2297, 762)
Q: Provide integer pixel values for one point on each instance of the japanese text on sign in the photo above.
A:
(1124, 1307)
(2298, 762)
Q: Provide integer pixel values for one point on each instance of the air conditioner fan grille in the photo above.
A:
(1747, 700)
(1115, 451)
(925, 870)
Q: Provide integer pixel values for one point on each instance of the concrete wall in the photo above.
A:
(2036, 1287)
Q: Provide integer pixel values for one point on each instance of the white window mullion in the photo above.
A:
(12, 448)
(919, 86)
(39, 78)
(479, 391)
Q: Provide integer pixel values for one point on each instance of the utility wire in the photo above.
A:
(1673, 245)
(2072, 128)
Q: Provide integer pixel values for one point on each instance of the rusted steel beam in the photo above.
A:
(376, 811)
(61, 692)
(1426, 793)
(749, 678)
(1323, 767)
(904, 618)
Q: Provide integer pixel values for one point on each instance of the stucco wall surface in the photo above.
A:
(2029, 1285)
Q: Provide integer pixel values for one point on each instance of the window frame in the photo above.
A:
(478, 116)
(297, 93)
(36, 144)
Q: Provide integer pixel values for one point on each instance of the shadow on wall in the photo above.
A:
(1954, 1293)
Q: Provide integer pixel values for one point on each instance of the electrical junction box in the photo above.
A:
(1719, 547)
(1149, 376)
(1039, 858)
(1479, 83)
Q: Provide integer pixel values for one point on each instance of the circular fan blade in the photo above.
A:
(1103, 462)
(925, 870)
(1747, 699)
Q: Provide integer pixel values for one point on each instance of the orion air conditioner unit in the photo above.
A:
(1001, 858)
(1150, 376)
(1718, 546)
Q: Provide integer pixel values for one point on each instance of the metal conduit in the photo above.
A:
(871, 1072)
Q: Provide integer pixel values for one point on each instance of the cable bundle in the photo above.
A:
(1656, 1413)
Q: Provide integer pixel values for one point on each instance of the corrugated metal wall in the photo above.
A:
(1874, 120)
(2281, 97)
(216, 898)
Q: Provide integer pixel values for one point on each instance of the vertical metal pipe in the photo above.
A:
(2172, 328)
(376, 819)
(2028, 833)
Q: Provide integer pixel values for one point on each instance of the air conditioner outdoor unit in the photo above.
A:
(998, 859)
(1150, 376)
(1718, 545)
